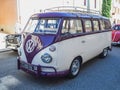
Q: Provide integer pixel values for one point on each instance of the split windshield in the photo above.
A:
(116, 27)
(43, 25)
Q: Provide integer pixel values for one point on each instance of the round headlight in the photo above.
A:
(46, 58)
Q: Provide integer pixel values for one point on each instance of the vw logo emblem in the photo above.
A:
(30, 46)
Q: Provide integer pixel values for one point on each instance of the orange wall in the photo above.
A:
(8, 15)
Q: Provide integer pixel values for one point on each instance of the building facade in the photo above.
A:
(8, 15)
(88, 4)
(14, 13)
(25, 10)
(115, 11)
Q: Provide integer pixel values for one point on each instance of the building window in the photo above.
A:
(84, 2)
(95, 3)
(113, 10)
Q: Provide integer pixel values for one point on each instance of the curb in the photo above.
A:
(4, 50)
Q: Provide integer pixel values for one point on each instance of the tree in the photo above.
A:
(106, 7)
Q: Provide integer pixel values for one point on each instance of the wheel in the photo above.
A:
(104, 53)
(74, 68)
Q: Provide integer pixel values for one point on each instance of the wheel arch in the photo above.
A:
(70, 75)
(79, 57)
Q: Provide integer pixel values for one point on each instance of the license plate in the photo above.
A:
(29, 67)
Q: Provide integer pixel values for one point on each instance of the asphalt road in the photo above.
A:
(96, 74)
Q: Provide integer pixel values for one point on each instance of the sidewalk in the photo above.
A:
(4, 50)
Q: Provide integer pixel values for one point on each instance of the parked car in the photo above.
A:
(116, 34)
(13, 41)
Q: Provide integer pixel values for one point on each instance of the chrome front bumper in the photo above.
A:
(36, 70)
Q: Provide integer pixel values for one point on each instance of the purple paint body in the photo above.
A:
(45, 41)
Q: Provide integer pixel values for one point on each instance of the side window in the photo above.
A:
(107, 24)
(102, 25)
(72, 26)
(88, 25)
(79, 26)
(65, 26)
(96, 25)
(75, 26)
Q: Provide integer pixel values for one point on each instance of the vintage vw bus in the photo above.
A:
(58, 43)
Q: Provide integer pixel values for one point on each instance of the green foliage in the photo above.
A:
(106, 7)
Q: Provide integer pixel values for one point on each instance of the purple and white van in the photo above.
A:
(58, 43)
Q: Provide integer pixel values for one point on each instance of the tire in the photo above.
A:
(15, 50)
(104, 53)
(75, 68)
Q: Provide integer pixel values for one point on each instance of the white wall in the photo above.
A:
(27, 7)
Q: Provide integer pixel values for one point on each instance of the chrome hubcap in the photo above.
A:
(75, 67)
(105, 52)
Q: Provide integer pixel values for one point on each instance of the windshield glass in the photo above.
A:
(43, 25)
(116, 27)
